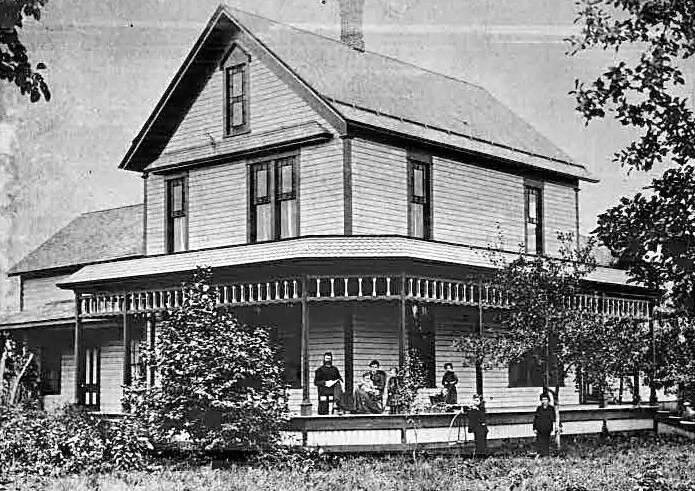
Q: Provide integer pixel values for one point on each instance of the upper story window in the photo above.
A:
(177, 215)
(274, 212)
(419, 209)
(236, 89)
(534, 219)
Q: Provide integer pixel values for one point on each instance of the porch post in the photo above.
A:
(635, 392)
(402, 341)
(78, 353)
(305, 408)
(652, 386)
(478, 366)
(150, 336)
(127, 328)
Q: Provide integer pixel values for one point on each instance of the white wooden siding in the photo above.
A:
(499, 394)
(470, 203)
(375, 337)
(40, 291)
(156, 204)
(273, 105)
(217, 207)
(379, 189)
(325, 334)
(321, 208)
(559, 214)
(451, 327)
(111, 376)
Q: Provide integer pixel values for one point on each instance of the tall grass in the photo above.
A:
(626, 464)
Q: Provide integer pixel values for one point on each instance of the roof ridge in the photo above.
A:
(107, 209)
(375, 53)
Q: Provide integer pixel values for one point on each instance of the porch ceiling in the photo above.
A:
(312, 248)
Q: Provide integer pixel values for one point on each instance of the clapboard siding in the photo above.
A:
(273, 105)
(499, 394)
(375, 338)
(559, 214)
(325, 334)
(379, 189)
(450, 327)
(470, 203)
(111, 376)
(155, 214)
(217, 207)
(321, 189)
(67, 377)
(40, 291)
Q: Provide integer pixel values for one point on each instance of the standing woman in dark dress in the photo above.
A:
(449, 381)
(543, 424)
(477, 425)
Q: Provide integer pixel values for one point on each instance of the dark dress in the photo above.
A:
(378, 378)
(323, 374)
(449, 381)
(394, 396)
(543, 421)
(478, 426)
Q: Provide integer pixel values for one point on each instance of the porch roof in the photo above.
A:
(314, 247)
(48, 314)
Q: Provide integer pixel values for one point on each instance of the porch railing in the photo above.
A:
(325, 288)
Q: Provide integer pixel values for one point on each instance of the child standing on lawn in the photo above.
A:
(544, 424)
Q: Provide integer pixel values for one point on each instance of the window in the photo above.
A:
(274, 213)
(50, 370)
(237, 97)
(419, 224)
(529, 371)
(534, 220)
(177, 220)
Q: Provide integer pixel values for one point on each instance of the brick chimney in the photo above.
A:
(351, 23)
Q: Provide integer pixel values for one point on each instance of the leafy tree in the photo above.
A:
(545, 318)
(651, 234)
(220, 381)
(19, 379)
(14, 60)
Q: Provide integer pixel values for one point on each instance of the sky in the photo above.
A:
(109, 61)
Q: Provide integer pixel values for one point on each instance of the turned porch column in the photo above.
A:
(306, 399)
(481, 327)
(402, 332)
(79, 354)
(150, 339)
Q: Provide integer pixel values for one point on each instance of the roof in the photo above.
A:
(319, 247)
(92, 237)
(48, 314)
(362, 86)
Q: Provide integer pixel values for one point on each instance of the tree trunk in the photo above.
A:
(3, 361)
(18, 380)
(558, 441)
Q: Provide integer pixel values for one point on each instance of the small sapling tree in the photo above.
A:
(220, 381)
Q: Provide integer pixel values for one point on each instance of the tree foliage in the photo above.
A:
(15, 66)
(19, 378)
(220, 380)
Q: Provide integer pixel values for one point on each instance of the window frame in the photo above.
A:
(536, 188)
(415, 162)
(169, 219)
(237, 59)
(275, 196)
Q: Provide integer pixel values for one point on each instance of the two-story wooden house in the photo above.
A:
(341, 196)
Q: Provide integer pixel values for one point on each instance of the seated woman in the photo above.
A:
(364, 396)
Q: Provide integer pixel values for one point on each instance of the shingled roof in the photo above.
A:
(361, 85)
(90, 238)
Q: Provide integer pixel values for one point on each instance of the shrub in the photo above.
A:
(67, 441)
(220, 381)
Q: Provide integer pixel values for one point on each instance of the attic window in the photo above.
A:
(236, 87)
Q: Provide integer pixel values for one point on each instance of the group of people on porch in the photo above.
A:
(369, 397)
(369, 391)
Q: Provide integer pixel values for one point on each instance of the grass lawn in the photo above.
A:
(634, 464)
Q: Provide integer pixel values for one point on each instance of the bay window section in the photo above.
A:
(274, 213)
(177, 220)
(419, 199)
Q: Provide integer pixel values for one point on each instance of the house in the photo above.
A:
(345, 198)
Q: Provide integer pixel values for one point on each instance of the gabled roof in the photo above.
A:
(90, 238)
(355, 84)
